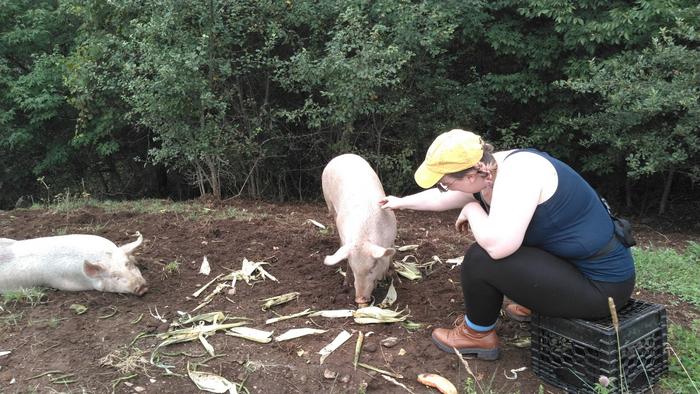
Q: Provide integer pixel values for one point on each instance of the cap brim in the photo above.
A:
(426, 178)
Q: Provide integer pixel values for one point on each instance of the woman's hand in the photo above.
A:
(390, 202)
(462, 224)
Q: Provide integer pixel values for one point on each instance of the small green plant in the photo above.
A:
(363, 388)
(32, 296)
(11, 319)
(468, 386)
(172, 268)
(60, 231)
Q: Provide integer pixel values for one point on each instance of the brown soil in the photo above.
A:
(51, 337)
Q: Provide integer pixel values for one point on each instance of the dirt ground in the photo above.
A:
(49, 339)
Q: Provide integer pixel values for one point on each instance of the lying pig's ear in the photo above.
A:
(340, 255)
(93, 270)
(378, 252)
(129, 248)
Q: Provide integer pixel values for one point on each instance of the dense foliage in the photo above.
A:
(129, 98)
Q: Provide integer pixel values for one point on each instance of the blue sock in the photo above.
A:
(477, 327)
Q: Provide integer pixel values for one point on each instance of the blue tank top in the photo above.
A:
(574, 224)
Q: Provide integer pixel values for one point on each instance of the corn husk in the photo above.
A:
(279, 300)
(336, 343)
(208, 298)
(390, 297)
(251, 334)
(333, 313)
(187, 335)
(207, 346)
(201, 289)
(396, 382)
(250, 271)
(205, 268)
(455, 261)
(315, 223)
(358, 349)
(281, 318)
(211, 382)
(406, 248)
(210, 317)
(411, 326)
(408, 269)
(381, 371)
(298, 332)
(374, 314)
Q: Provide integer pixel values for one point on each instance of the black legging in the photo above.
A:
(547, 284)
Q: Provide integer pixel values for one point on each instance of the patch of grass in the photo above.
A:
(172, 268)
(93, 228)
(191, 210)
(60, 231)
(32, 296)
(685, 356)
(669, 271)
(11, 319)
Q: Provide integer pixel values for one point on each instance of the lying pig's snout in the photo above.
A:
(141, 289)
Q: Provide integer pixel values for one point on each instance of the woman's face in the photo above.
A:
(470, 183)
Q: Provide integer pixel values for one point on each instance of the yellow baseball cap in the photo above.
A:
(453, 151)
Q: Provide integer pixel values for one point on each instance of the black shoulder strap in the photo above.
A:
(481, 201)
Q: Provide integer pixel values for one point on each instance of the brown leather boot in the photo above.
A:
(483, 345)
(518, 312)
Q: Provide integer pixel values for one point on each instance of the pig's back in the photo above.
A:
(352, 187)
(350, 177)
(74, 246)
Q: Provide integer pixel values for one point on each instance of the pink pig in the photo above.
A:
(70, 262)
(352, 192)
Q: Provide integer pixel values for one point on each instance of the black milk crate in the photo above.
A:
(573, 353)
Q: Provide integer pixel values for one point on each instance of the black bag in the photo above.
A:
(623, 228)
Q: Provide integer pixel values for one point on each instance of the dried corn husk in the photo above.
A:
(358, 349)
(315, 223)
(278, 300)
(205, 268)
(211, 382)
(201, 289)
(333, 313)
(247, 272)
(381, 371)
(374, 314)
(406, 248)
(408, 270)
(336, 343)
(251, 334)
(390, 297)
(298, 332)
(281, 318)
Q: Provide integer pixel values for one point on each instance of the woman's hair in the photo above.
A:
(487, 165)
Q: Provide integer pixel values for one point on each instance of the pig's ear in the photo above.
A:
(93, 270)
(340, 255)
(129, 248)
(378, 252)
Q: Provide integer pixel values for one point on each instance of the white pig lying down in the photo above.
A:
(352, 192)
(70, 262)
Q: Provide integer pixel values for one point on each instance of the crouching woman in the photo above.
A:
(543, 238)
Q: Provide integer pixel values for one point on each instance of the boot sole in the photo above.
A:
(483, 354)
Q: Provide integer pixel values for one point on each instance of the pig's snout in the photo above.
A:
(362, 301)
(141, 289)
